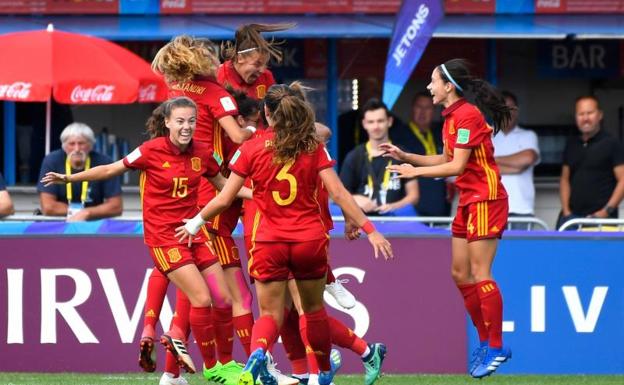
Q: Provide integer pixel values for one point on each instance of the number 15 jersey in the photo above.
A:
(286, 194)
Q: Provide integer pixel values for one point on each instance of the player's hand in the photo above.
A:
(352, 232)
(53, 178)
(380, 245)
(404, 170)
(182, 233)
(389, 150)
(366, 204)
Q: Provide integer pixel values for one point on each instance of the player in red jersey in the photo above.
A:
(172, 165)
(482, 213)
(288, 234)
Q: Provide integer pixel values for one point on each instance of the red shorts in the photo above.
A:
(227, 251)
(170, 258)
(273, 261)
(481, 220)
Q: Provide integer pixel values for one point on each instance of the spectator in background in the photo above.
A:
(592, 176)
(78, 201)
(6, 204)
(424, 138)
(350, 130)
(516, 152)
(364, 171)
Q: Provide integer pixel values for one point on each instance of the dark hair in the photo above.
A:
(247, 106)
(248, 37)
(155, 125)
(421, 94)
(487, 98)
(590, 97)
(508, 94)
(372, 105)
(293, 122)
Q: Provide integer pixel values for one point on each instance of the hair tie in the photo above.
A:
(246, 50)
(450, 78)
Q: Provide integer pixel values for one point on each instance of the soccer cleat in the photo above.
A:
(178, 349)
(169, 379)
(372, 364)
(212, 373)
(477, 357)
(493, 359)
(335, 362)
(147, 354)
(340, 293)
(255, 367)
(275, 373)
(302, 380)
(224, 374)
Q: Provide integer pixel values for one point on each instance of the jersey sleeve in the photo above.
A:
(212, 167)
(138, 159)
(241, 163)
(221, 103)
(324, 159)
(471, 130)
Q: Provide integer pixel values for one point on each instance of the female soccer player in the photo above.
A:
(288, 235)
(172, 165)
(482, 213)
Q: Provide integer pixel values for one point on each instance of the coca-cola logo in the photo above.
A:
(147, 93)
(17, 90)
(98, 94)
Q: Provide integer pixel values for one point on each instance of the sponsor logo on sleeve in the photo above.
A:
(227, 103)
(463, 136)
(235, 157)
(134, 155)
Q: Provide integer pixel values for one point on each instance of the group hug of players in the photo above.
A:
(232, 143)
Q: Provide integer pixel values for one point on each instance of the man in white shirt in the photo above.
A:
(516, 151)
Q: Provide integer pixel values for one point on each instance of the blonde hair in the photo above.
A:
(248, 39)
(293, 122)
(185, 57)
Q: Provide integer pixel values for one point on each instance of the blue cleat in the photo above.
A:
(478, 355)
(373, 362)
(493, 359)
(335, 362)
(255, 367)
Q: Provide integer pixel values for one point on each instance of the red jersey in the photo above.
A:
(465, 127)
(323, 200)
(169, 185)
(227, 76)
(249, 205)
(288, 210)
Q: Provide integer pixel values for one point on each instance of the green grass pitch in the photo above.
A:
(140, 379)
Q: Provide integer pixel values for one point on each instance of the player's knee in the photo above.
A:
(460, 275)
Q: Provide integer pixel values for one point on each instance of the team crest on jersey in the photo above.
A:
(261, 91)
(174, 255)
(196, 163)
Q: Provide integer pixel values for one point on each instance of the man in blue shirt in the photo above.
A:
(6, 205)
(78, 201)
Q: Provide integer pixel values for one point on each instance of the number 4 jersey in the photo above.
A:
(169, 185)
(286, 194)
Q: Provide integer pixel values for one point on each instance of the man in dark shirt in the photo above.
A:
(364, 172)
(592, 176)
(78, 201)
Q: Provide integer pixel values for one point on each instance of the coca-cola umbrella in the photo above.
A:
(36, 66)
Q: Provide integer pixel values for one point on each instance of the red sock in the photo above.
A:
(344, 337)
(293, 345)
(224, 333)
(492, 311)
(156, 290)
(180, 323)
(315, 326)
(310, 356)
(264, 333)
(203, 330)
(330, 275)
(171, 365)
(243, 324)
(473, 306)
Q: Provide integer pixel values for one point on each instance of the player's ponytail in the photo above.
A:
(248, 39)
(487, 98)
(155, 125)
(293, 122)
(184, 58)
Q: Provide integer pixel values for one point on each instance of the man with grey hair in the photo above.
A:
(79, 201)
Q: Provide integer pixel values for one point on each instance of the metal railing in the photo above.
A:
(45, 218)
(593, 224)
(531, 223)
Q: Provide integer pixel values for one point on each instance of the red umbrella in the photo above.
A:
(73, 69)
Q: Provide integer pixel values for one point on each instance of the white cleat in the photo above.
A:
(169, 379)
(281, 378)
(340, 293)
